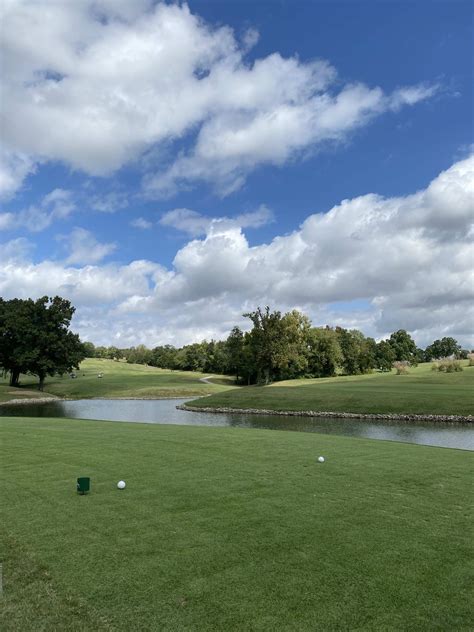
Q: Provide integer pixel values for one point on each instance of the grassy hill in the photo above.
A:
(230, 529)
(119, 380)
(422, 391)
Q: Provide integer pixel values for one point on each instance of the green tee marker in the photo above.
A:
(83, 485)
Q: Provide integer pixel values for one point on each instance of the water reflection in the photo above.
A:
(164, 412)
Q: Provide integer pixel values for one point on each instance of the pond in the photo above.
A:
(164, 412)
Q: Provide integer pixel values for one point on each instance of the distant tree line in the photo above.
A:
(285, 346)
(35, 338)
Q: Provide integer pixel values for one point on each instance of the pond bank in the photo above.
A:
(30, 400)
(464, 419)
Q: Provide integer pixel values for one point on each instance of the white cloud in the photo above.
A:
(58, 204)
(84, 248)
(14, 167)
(95, 84)
(109, 203)
(371, 262)
(195, 224)
(142, 223)
(15, 250)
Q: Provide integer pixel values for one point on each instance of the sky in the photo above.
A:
(170, 166)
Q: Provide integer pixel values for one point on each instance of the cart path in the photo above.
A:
(206, 379)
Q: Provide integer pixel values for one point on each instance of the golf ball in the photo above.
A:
(321, 459)
(121, 484)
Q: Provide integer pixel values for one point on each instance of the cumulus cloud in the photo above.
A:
(195, 224)
(371, 262)
(95, 84)
(58, 204)
(83, 247)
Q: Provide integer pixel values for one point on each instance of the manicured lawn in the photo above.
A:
(120, 380)
(230, 529)
(421, 391)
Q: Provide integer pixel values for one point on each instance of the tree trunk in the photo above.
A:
(14, 377)
(41, 383)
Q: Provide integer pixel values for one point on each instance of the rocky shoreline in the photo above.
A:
(463, 419)
(31, 400)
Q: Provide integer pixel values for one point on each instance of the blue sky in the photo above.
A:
(168, 166)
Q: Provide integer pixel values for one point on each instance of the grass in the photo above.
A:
(230, 529)
(422, 391)
(120, 380)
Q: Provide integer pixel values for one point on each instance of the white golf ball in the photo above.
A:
(121, 484)
(321, 459)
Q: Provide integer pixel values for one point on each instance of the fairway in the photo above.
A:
(422, 391)
(119, 380)
(230, 529)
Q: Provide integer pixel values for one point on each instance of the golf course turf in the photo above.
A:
(421, 391)
(119, 380)
(230, 529)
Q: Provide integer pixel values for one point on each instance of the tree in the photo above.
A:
(295, 330)
(403, 346)
(267, 343)
(443, 348)
(384, 356)
(16, 333)
(56, 349)
(324, 352)
(89, 349)
(35, 338)
(136, 355)
(164, 357)
(235, 352)
(358, 352)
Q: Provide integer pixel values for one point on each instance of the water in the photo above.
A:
(164, 412)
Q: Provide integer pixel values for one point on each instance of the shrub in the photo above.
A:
(447, 365)
(401, 367)
(470, 357)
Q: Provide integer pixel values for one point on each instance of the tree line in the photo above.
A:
(35, 338)
(285, 346)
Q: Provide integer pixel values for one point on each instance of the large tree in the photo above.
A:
(384, 356)
(324, 352)
(267, 343)
(358, 352)
(35, 338)
(235, 352)
(443, 348)
(16, 332)
(403, 346)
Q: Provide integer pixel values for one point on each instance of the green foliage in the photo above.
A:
(404, 347)
(235, 351)
(266, 342)
(324, 352)
(89, 349)
(35, 338)
(443, 348)
(384, 356)
(358, 352)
